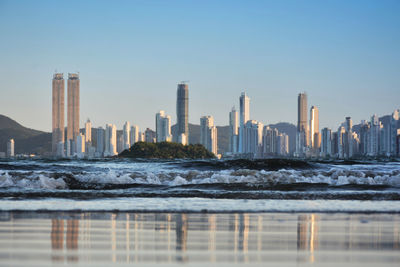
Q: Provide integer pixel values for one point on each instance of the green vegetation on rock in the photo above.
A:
(166, 150)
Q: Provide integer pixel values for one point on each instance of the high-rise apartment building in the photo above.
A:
(302, 112)
(233, 131)
(126, 136)
(10, 148)
(302, 129)
(73, 106)
(163, 127)
(149, 136)
(244, 116)
(269, 141)
(182, 111)
(208, 134)
(282, 144)
(100, 140)
(374, 131)
(80, 145)
(57, 113)
(252, 138)
(394, 122)
(110, 140)
(135, 137)
(326, 146)
(88, 132)
(314, 125)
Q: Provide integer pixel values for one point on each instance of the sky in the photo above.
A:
(132, 54)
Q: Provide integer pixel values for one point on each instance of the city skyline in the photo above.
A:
(344, 50)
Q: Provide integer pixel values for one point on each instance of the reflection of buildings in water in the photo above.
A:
(243, 232)
(113, 237)
(212, 226)
(57, 234)
(57, 237)
(127, 238)
(307, 234)
(181, 228)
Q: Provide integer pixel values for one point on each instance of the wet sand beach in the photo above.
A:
(199, 239)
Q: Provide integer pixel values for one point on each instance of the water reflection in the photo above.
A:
(197, 237)
(57, 238)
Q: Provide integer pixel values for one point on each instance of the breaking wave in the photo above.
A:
(146, 179)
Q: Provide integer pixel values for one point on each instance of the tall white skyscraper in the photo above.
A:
(244, 117)
(10, 148)
(57, 113)
(88, 131)
(126, 135)
(135, 137)
(208, 134)
(314, 125)
(80, 145)
(374, 131)
(252, 138)
(163, 127)
(233, 131)
(73, 106)
(110, 140)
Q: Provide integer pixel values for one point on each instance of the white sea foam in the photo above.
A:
(334, 177)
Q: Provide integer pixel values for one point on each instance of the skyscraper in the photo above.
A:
(110, 140)
(348, 142)
(88, 132)
(182, 111)
(252, 138)
(302, 129)
(302, 112)
(134, 134)
(208, 134)
(163, 127)
(10, 148)
(314, 124)
(100, 134)
(126, 135)
(244, 102)
(58, 112)
(73, 106)
(233, 131)
(80, 145)
(326, 147)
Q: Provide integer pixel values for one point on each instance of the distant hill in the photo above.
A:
(26, 140)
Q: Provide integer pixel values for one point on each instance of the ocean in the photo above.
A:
(230, 212)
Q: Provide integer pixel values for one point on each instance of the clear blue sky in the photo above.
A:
(132, 54)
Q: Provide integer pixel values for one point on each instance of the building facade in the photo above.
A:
(208, 134)
(233, 131)
(57, 113)
(73, 106)
(182, 111)
(244, 116)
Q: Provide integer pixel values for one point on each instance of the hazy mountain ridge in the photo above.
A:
(26, 140)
